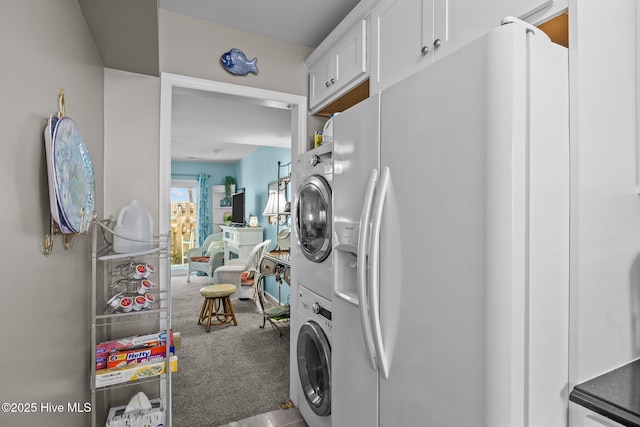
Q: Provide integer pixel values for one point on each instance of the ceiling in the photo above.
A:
(214, 127)
(209, 127)
(305, 22)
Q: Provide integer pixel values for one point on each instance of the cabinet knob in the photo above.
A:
(424, 50)
(333, 81)
(437, 43)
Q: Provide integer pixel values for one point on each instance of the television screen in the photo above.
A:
(237, 209)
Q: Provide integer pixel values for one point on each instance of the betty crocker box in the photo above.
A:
(105, 349)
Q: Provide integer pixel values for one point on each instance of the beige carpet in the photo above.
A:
(230, 373)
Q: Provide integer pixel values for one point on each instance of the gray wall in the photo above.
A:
(46, 45)
(132, 134)
(189, 47)
(192, 47)
(44, 311)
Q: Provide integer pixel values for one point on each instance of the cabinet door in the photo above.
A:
(344, 63)
(398, 30)
(459, 22)
(320, 83)
(349, 56)
(579, 416)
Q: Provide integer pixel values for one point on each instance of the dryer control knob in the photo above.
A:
(315, 160)
(315, 307)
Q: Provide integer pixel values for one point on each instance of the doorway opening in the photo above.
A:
(170, 83)
(296, 104)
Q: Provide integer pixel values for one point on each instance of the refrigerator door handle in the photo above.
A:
(374, 273)
(361, 269)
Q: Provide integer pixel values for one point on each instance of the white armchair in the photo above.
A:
(244, 273)
(206, 258)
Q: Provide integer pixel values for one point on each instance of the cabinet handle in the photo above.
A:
(424, 50)
(333, 81)
(437, 43)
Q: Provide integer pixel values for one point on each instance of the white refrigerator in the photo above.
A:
(451, 242)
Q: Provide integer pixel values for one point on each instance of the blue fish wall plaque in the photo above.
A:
(237, 63)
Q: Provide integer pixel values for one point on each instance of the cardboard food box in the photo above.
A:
(134, 372)
(104, 349)
(134, 341)
(117, 359)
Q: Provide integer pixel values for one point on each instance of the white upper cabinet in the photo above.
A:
(410, 34)
(320, 84)
(405, 36)
(403, 30)
(457, 22)
(340, 68)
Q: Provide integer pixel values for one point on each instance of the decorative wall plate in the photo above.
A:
(74, 178)
(54, 206)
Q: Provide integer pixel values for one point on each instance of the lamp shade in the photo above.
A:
(275, 203)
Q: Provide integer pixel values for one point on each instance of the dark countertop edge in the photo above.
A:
(605, 409)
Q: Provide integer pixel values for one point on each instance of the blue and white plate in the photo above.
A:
(74, 178)
(54, 206)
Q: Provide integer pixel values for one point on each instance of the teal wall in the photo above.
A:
(253, 173)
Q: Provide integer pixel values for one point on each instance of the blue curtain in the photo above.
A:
(203, 211)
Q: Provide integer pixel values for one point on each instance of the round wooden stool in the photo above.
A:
(217, 303)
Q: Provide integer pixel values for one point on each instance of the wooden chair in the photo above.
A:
(206, 258)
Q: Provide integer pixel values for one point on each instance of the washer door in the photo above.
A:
(313, 218)
(314, 367)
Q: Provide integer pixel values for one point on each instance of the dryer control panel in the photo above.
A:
(318, 161)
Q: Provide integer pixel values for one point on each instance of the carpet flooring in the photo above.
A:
(229, 373)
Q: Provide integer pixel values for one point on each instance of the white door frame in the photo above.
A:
(168, 81)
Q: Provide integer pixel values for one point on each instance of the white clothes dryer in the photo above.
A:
(313, 358)
(312, 217)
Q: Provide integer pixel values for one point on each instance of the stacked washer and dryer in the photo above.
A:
(312, 288)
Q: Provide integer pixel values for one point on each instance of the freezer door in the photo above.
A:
(354, 380)
(455, 269)
(356, 155)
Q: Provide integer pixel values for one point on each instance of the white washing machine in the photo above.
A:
(312, 217)
(313, 358)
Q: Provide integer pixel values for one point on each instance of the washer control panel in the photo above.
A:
(313, 306)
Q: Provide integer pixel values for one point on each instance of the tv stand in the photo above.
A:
(240, 240)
